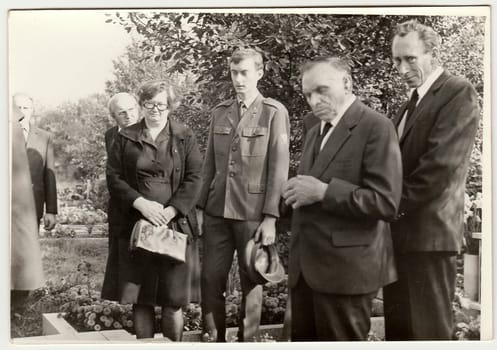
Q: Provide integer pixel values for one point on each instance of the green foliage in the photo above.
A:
(78, 130)
(200, 44)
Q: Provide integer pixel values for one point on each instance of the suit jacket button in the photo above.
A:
(232, 174)
(177, 169)
(232, 162)
(233, 149)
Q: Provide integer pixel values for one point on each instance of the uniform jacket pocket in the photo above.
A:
(254, 141)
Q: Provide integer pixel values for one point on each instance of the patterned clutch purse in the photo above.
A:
(160, 240)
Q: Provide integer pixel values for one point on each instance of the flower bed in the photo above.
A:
(86, 311)
(84, 214)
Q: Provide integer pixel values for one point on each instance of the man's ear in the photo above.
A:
(347, 83)
(260, 74)
(435, 54)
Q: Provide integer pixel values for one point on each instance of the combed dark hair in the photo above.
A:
(152, 88)
(243, 53)
(427, 35)
(338, 63)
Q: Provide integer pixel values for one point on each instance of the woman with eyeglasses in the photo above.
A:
(154, 172)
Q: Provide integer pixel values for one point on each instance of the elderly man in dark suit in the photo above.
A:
(436, 128)
(246, 164)
(123, 108)
(41, 161)
(348, 186)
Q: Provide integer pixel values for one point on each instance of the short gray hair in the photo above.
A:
(427, 35)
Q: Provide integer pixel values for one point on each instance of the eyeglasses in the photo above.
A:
(150, 105)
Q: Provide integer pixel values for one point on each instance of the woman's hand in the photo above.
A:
(152, 211)
(170, 212)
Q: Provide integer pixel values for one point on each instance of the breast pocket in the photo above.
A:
(222, 138)
(254, 141)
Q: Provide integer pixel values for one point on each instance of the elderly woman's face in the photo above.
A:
(156, 109)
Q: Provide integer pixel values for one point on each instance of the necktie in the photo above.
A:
(319, 139)
(243, 108)
(411, 105)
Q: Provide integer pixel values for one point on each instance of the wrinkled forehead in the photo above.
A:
(406, 44)
(321, 74)
(125, 102)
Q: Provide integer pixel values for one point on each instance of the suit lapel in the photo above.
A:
(307, 157)
(338, 136)
(398, 117)
(425, 102)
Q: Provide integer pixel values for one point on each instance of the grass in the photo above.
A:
(60, 258)
(63, 255)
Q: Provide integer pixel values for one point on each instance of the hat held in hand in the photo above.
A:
(263, 263)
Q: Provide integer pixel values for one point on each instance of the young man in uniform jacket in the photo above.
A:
(245, 166)
(436, 129)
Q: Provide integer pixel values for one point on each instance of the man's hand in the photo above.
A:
(303, 190)
(49, 221)
(266, 231)
(152, 211)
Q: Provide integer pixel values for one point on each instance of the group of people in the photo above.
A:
(376, 203)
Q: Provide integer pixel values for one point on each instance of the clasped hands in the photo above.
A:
(303, 190)
(154, 211)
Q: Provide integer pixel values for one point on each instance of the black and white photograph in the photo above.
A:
(249, 174)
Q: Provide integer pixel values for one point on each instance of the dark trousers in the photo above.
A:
(328, 317)
(221, 237)
(419, 305)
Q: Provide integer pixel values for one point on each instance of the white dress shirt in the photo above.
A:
(422, 90)
(335, 121)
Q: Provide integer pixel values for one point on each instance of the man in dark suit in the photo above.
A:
(245, 166)
(348, 185)
(41, 161)
(123, 108)
(436, 131)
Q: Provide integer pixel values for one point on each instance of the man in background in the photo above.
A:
(436, 130)
(123, 108)
(41, 161)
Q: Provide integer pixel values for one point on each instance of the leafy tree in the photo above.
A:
(78, 130)
(201, 43)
